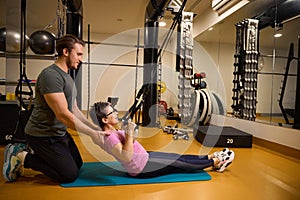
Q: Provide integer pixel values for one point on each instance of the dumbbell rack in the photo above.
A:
(186, 68)
(245, 70)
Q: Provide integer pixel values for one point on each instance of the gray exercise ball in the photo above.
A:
(42, 42)
(10, 41)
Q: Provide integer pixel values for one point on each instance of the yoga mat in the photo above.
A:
(105, 174)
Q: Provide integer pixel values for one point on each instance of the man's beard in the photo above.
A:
(69, 63)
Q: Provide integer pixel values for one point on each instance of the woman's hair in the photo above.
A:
(97, 112)
(67, 41)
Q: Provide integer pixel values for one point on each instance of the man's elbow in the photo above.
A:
(65, 119)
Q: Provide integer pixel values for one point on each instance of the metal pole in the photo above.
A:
(89, 76)
(136, 71)
(137, 61)
(149, 114)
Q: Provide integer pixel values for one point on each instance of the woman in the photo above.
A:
(137, 161)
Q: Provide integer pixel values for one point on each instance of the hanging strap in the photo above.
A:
(19, 89)
(139, 100)
(19, 92)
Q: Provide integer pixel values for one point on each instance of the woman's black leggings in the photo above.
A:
(161, 163)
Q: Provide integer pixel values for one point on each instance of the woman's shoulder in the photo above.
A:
(120, 132)
(114, 138)
(116, 133)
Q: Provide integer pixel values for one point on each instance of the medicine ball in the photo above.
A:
(10, 41)
(42, 42)
(163, 106)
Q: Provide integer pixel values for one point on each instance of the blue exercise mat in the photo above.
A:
(105, 174)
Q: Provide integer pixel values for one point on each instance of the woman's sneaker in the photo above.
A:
(220, 153)
(225, 161)
(12, 164)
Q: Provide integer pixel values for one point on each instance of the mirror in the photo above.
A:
(278, 72)
(276, 93)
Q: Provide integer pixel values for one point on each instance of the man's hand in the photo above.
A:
(98, 138)
(103, 133)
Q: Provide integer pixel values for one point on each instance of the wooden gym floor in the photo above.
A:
(256, 173)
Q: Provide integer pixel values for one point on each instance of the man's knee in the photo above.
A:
(69, 176)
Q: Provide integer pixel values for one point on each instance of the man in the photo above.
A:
(54, 152)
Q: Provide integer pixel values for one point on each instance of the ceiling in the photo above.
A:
(115, 16)
(104, 16)
(225, 31)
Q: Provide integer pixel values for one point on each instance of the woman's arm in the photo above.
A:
(124, 152)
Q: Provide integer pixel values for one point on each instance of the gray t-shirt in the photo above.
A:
(42, 122)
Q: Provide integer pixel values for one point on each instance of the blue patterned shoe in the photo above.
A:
(12, 164)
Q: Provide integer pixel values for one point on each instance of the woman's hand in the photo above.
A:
(130, 128)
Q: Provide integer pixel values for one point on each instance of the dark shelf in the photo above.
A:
(14, 83)
(28, 56)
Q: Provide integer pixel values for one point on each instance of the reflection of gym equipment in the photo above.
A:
(244, 91)
(286, 111)
(278, 13)
(275, 16)
(297, 104)
(217, 136)
(245, 70)
(211, 135)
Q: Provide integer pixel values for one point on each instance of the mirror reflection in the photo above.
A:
(277, 60)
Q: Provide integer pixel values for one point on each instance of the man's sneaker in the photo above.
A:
(222, 153)
(12, 164)
(225, 161)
